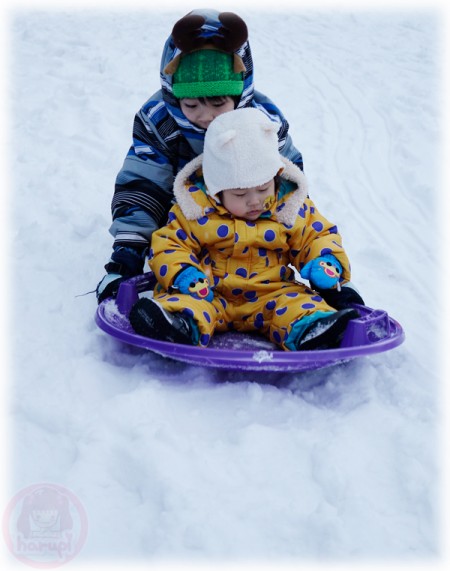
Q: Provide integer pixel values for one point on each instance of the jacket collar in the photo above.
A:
(195, 203)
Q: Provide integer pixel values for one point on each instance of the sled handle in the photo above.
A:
(129, 290)
(367, 329)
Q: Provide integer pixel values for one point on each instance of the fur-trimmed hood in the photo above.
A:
(191, 193)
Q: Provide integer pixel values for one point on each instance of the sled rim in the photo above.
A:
(249, 359)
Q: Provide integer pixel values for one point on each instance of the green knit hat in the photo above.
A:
(207, 73)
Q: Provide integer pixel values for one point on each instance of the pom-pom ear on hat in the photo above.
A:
(186, 33)
(241, 151)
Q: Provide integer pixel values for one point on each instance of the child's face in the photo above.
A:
(249, 203)
(201, 113)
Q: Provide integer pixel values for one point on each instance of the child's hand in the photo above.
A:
(323, 272)
(194, 282)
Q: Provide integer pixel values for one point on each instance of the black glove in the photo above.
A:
(108, 286)
(124, 263)
(342, 299)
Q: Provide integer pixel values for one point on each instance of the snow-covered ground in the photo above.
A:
(180, 464)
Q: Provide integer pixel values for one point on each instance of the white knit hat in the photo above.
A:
(241, 150)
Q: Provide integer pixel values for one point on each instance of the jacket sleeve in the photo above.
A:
(315, 236)
(143, 192)
(173, 249)
(146, 177)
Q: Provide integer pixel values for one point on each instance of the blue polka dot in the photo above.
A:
(203, 220)
(223, 302)
(204, 339)
(316, 298)
(172, 217)
(269, 235)
(173, 298)
(207, 316)
(250, 295)
(242, 272)
(318, 226)
(163, 270)
(181, 234)
(271, 304)
(236, 291)
(236, 237)
(193, 259)
(281, 311)
(333, 230)
(276, 337)
(222, 231)
(308, 305)
(292, 294)
(262, 252)
(249, 223)
(325, 251)
(193, 189)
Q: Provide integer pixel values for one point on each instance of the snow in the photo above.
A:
(177, 464)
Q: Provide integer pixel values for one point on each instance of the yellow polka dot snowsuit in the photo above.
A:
(248, 263)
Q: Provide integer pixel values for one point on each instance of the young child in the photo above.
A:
(225, 259)
(206, 70)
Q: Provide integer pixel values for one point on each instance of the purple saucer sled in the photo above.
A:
(373, 332)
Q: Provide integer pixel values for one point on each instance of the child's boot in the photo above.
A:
(149, 318)
(326, 332)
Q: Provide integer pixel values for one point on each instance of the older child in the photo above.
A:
(224, 261)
